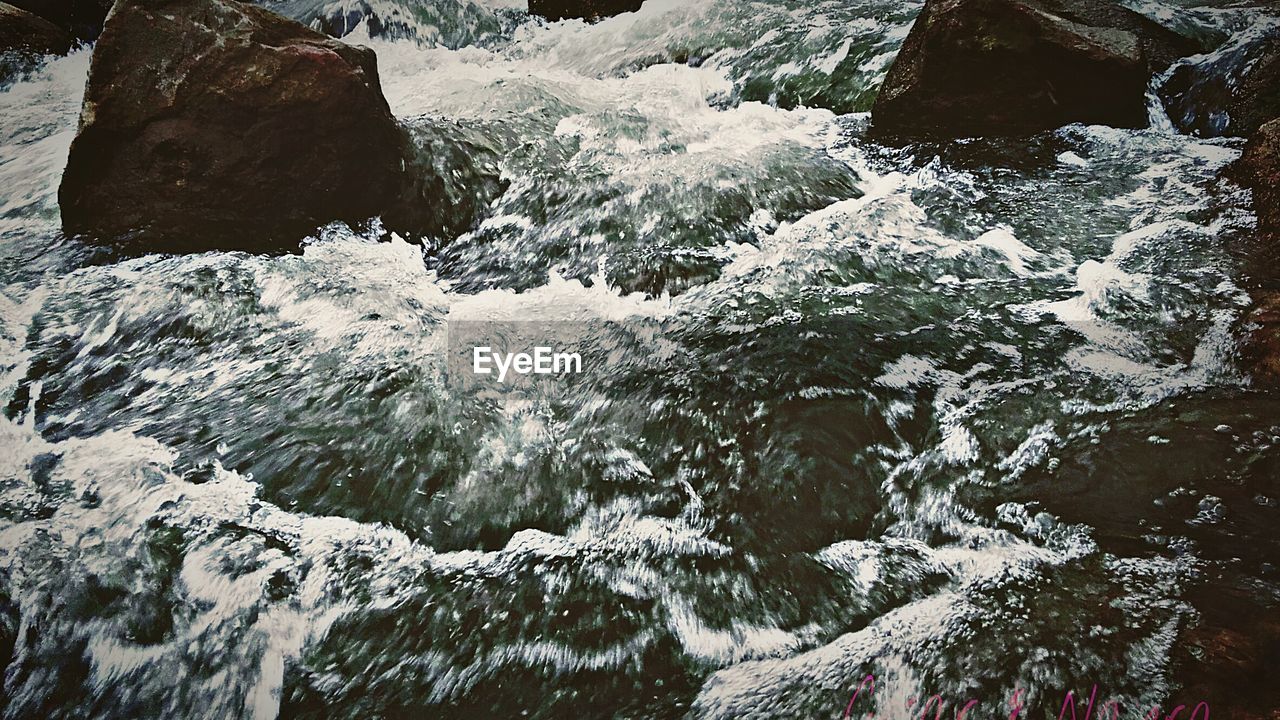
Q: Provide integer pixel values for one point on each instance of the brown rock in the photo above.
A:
(1259, 170)
(1226, 658)
(1161, 46)
(23, 32)
(1008, 67)
(1262, 345)
(211, 123)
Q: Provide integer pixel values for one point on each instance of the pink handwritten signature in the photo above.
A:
(1107, 710)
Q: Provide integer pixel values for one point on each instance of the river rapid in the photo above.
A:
(967, 417)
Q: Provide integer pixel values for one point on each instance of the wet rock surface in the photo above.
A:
(1262, 344)
(1233, 91)
(1161, 45)
(1259, 169)
(1213, 495)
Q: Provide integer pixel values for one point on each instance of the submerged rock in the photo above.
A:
(22, 32)
(1231, 91)
(1007, 67)
(211, 123)
(454, 174)
(1262, 344)
(583, 9)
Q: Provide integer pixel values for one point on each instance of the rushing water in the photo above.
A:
(967, 417)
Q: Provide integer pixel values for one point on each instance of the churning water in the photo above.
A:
(966, 417)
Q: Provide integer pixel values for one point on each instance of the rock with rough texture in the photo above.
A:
(216, 124)
(1232, 91)
(22, 32)
(1259, 169)
(81, 18)
(582, 9)
(1161, 46)
(1261, 351)
(1011, 67)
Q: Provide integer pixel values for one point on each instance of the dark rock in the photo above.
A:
(1010, 67)
(211, 123)
(1227, 656)
(81, 18)
(1161, 45)
(22, 32)
(1261, 352)
(1231, 91)
(583, 9)
(1172, 460)
(1259, 169)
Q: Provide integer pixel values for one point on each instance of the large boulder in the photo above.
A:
(22, 32)
(81, 18)
(1231, 91)
(582, 9)
(1009, 67)
(211, 123)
